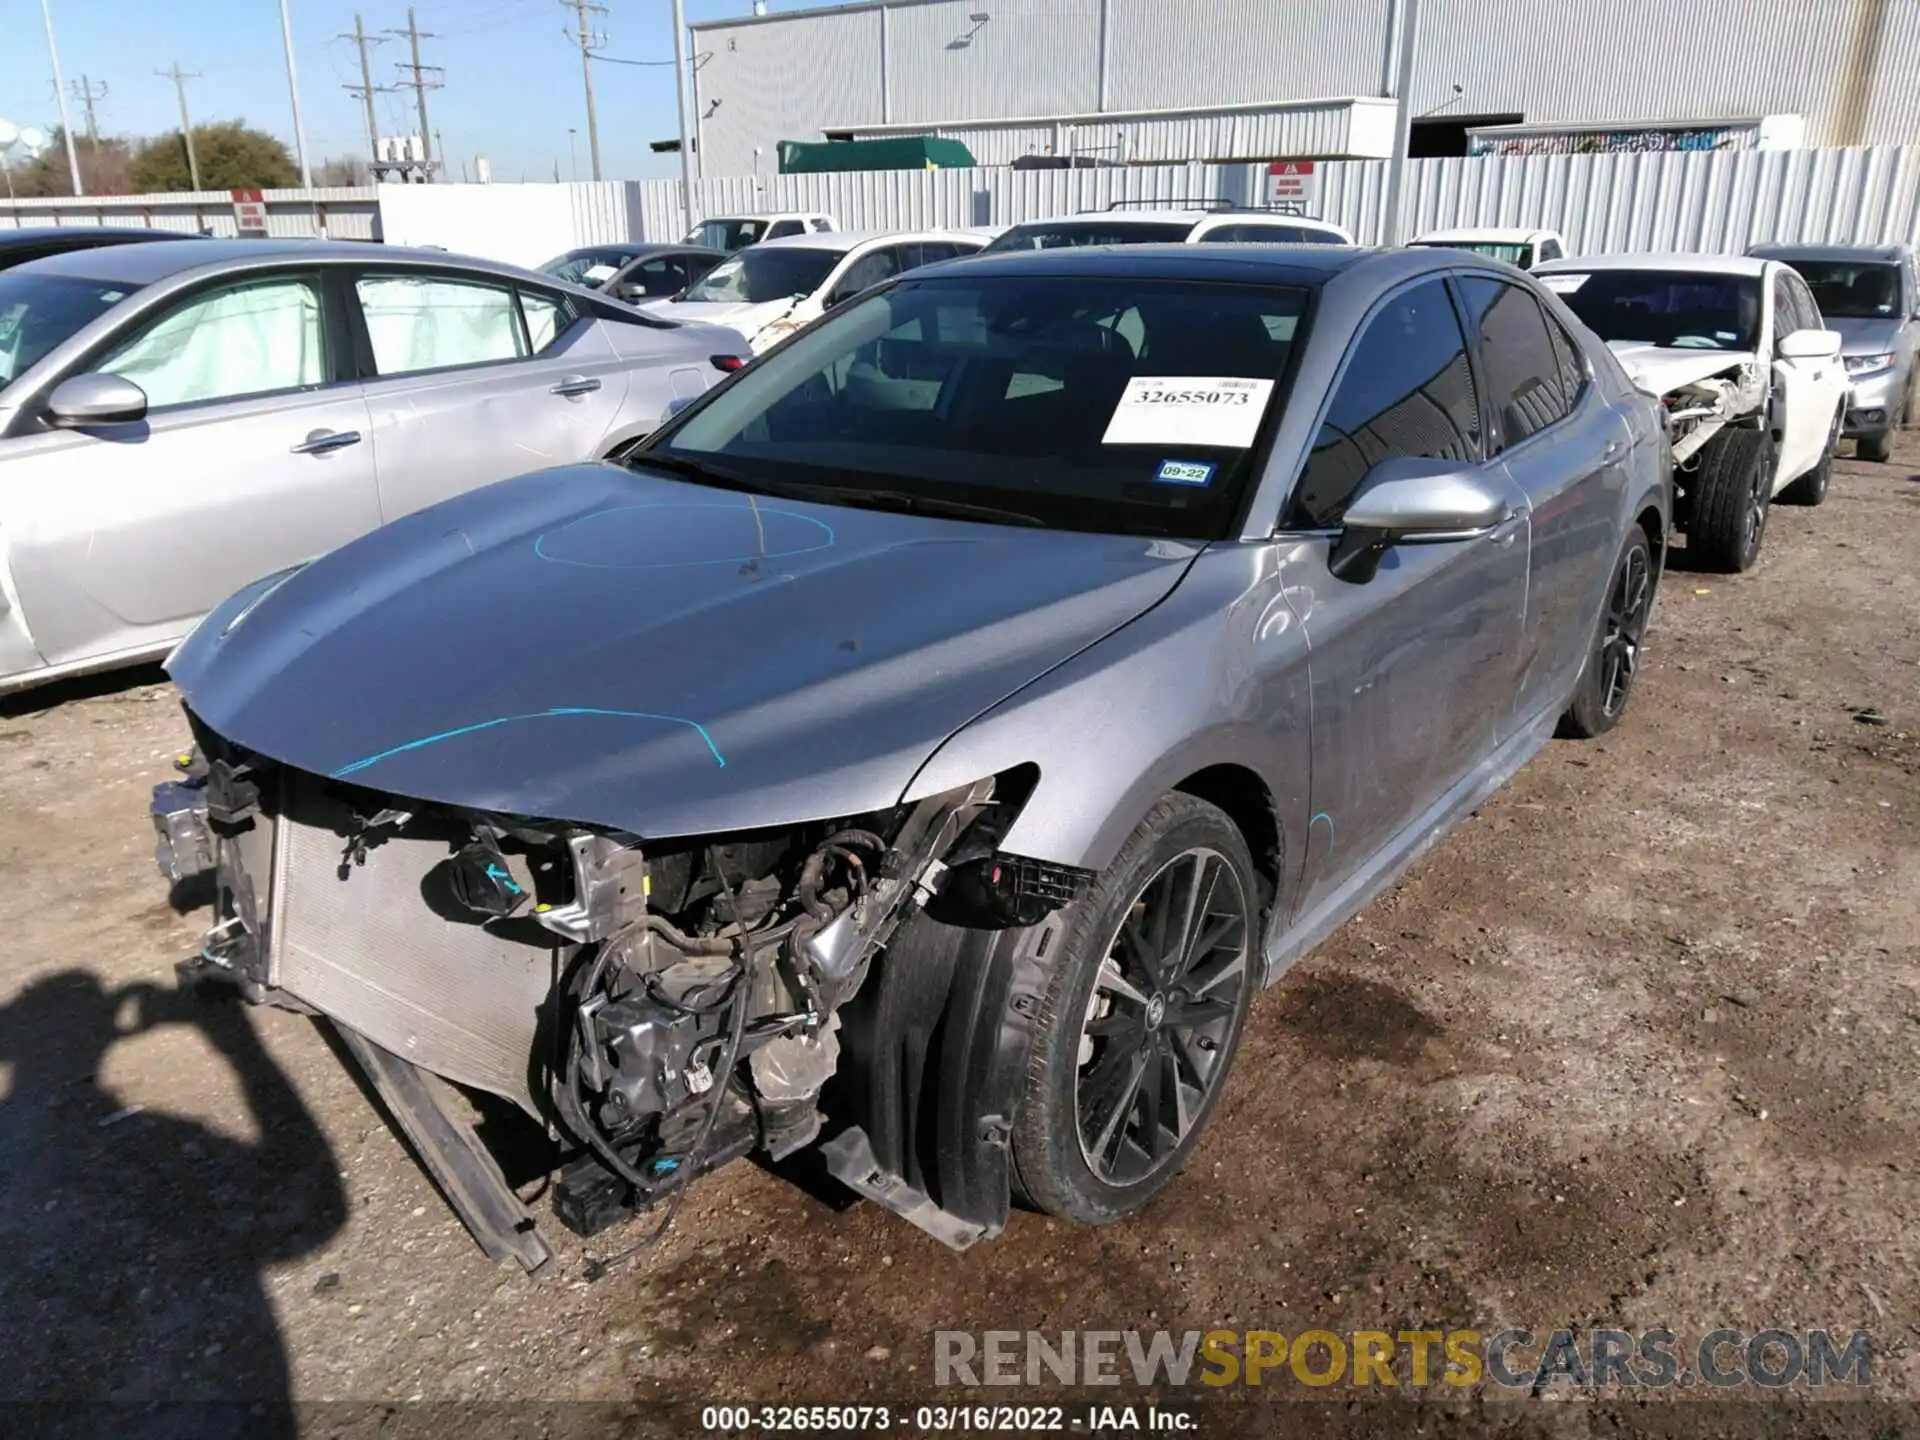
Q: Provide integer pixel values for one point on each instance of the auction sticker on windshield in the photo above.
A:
(1178, 410)
(1562, 284)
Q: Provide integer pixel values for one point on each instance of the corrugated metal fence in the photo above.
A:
(1671, 200)
(342, 213)
(1699, 201)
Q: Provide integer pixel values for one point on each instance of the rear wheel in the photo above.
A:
(1811, 488)
(1607, 681)
(1141, 1017)
(1730, 494)
(1878, 448)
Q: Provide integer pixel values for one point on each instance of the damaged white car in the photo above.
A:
(1752, 382)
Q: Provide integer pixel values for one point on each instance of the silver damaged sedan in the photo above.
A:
(179, 420)
(924, 746)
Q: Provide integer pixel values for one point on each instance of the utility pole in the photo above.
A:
(419, 84)
(180, 78)
(682, 82)
(60, 97)
(1408, 42)
(583, 32)
(293, 92)
(366, 89)
(83, 91)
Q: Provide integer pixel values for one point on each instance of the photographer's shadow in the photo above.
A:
(132, 1251)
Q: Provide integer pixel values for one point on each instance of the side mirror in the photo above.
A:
(1410, 501)
(1810, 345)
(95, 399)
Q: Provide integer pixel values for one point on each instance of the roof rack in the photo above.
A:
(1214, 207)
(1177, 203)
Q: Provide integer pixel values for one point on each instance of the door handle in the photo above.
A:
(575, 386)
(1503, 533)
(319, 442)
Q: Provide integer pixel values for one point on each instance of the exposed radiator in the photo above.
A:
(379, 951)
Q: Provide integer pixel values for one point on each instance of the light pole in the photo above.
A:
(1390, 218)
(680, 98)
(60, 94)
(293, 89)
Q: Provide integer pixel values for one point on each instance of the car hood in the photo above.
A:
(612, 647)
(1658, 369)
(1867, 335)
(735, 315)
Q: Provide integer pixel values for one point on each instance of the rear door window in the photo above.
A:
(1526, 389)
(1407, 389)
(1261, 234)
(431, 322)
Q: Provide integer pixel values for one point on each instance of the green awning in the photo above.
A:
(905, 152)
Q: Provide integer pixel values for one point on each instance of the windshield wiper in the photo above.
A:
(918, 504)
(702, 472)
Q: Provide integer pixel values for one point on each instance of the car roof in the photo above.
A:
(1788, 253)
(1491, 234)
(161, 260)
(1691, 264)
(1260, 264)
(844, 240)
(90, 234)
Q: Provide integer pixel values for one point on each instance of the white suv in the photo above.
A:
(735, 232)
(1121, 225)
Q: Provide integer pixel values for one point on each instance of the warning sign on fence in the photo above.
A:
(1293, 186)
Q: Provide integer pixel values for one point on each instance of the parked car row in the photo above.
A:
(919, 743)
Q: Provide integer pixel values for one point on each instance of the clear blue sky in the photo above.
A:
(512, 91)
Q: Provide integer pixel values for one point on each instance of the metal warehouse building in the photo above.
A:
(1144, 81)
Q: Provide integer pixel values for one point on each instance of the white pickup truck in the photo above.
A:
(1752, 381)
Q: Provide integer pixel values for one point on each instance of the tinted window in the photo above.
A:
(1520, 367)
(783, 228)
(1685, 309)
(755, 275)
(1017, 392)
(1573, 365)
(664, 275)
(587, 267)
(38, 312)
(1062, 234)
(727, 234)
(419, 322)
(1407, 390)
(870, 269)
(1851, 289)
(1550, 250)
(247, 340)
(1261, 235)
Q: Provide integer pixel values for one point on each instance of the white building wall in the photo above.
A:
(1850, 66)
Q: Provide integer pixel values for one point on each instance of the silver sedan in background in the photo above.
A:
(177, 421)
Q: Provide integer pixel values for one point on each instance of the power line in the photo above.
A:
(180, 78)
(420, 84)
(616, 60)
(366, 89)
(589, 42)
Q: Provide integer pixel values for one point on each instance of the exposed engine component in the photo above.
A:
(1698, 411)
(676, 1002)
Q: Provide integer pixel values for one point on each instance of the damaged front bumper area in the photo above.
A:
(658, 1007)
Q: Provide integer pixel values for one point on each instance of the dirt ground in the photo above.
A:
(1637, 1046)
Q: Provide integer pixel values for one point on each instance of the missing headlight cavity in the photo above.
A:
(661, 1006)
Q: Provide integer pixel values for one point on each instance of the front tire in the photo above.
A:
(1606, 683)
(1731, 491)
(1141, 1017)
(1877, 448)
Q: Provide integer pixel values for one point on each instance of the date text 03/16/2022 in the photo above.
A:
(948, 1419)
